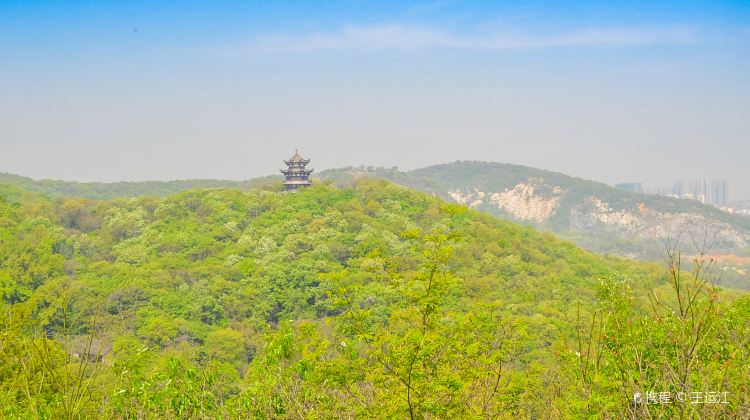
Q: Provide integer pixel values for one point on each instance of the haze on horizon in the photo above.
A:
(614, 92)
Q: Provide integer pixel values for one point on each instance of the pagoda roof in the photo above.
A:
(296, 158)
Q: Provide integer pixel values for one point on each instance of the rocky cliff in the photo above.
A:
(594, 215)
(536, 201)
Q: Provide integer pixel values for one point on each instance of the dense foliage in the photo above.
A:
(370, 301)
(575, 196)
(483, 176)
(122, 189)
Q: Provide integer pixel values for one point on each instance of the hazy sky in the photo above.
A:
(611, 91)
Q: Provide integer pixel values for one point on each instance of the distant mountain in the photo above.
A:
(107, 190)
(594, 215)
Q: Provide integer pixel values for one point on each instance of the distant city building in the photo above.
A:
(719, 192)
(296, 175)
(714, 192)
(631, 186)
(739, 207)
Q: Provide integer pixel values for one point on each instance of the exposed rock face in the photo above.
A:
(469, 199)
(521, 202)
(593, 215)
(533, 200)
(646, 223)
(537, 201)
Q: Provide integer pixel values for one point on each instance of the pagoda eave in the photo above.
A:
(302, 161)
(288, 171)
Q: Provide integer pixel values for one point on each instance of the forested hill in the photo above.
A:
(106, 190)
(368, 301)
(594, 215)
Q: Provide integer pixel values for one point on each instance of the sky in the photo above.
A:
(620, 91)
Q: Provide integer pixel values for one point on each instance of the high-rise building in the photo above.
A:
(720, 192)
(714, 191)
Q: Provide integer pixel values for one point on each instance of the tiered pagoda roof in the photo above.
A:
(296, 159)
(296, 174)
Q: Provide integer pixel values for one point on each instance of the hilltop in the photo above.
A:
(595, 216)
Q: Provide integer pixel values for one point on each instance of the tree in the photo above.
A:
(660, 362)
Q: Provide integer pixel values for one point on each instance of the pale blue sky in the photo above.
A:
(615, 91)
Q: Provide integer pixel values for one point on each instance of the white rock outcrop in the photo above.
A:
(536, 201)
(533, 200)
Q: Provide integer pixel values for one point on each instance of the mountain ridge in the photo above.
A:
(594, 215)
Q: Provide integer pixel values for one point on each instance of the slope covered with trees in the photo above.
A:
(106, 190)
(594, 215)
(499, 177)
(370, 301)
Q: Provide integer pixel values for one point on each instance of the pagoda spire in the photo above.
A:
(296, 174)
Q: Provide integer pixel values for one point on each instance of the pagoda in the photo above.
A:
(296, 174)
